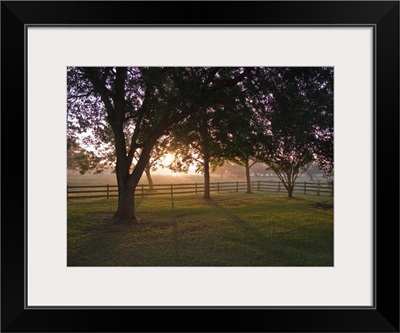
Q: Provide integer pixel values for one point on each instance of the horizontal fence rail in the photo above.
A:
(142, 190)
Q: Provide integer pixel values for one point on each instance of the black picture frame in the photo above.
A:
(383, 16)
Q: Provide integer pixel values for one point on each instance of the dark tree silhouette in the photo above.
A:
(131, 108)
(298, 121)
(201, 139)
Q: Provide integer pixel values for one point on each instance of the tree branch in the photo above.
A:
(136, 131)
(75, 97)
(251, 164)
(104, 93)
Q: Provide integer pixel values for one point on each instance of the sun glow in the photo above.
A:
(167, 159)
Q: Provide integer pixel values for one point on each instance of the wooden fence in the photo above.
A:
(142, 190)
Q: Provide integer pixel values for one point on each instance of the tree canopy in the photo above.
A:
(298, 121)
(131, 116)
(130, 108)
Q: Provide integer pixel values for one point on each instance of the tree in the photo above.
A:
(239, 137)
(130, 108)
(195, 144)
(246, 122)
(160, 149)
(298, 123)
(200, 139)
(241, 150)
(81, 159)
(73, 156)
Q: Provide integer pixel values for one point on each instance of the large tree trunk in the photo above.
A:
(125, 213)
(247, 166)
(149, 179)
(206, 194)
(116, 116)
(127, 182)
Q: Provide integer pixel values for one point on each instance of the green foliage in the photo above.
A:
(132, 108)
(131, 116)
(239, 125)
(193, 140)
(298, 121)
(202, 138)
(262, 229)
(82, 160)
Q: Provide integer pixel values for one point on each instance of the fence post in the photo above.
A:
(172, 190)
(218, 187)
(67, 192)
(258, 186)
(142, 191)
(279, 186)
(319, 185)
(237, 186)
(108, 191)
(196, 187)
(305, 187)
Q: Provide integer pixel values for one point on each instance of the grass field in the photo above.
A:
(232, 229)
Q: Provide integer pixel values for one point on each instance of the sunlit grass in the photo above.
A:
(260, 229)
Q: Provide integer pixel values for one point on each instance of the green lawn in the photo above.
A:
(238, 229)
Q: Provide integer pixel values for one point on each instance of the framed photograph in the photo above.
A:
(118, 90)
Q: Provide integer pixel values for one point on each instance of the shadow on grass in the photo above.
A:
(100, 241)
(323, 205)
(174, 235)
(239, 222)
